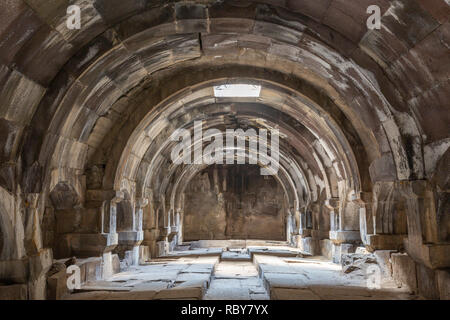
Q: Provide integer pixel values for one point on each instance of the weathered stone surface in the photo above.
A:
(355, 262)
(405, 25)
(427, 282)
(325, 248)
(404, 271)
(87, 115)
(14, 292)
(384, 261)
(15, 271)
(443, 280)
(57, 282)
(349, 19)
(214, 212)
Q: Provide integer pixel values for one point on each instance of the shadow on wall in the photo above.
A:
(234, 202)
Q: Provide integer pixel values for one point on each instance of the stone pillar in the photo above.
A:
(173, 226)
(130, 233)
(163, 245)
(179, 226)
(109, 230)
(305, 240)
(289, 227)
(88, 231)
(150, 227)
(343, 240)
(427, 251)
(24, 261)
(303, 231)
(161, 240)
(424, 244)
(388, 217)
(366, 226)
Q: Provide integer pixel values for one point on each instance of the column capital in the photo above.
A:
(339, 237)
(117, 197)
(142, 202)
(332, 203)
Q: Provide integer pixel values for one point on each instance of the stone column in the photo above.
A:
(344, 239)
(130, 234)
(173, 229)
(388, 216)
(109, 231)
(163, 246)
(150, 227)
(424, 243)
(305, 240)
(179, 226)
(290, 228)
(23, 260)
(88, 231)
(366, 226)
(143, 253)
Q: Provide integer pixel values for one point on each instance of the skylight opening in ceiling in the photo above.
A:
(237, 91)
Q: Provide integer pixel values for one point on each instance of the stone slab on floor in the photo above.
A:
(178, 278)
(194, 252)
(236, 280)
(182, 277)
(311, 278)
(235, 256)
(266, 276)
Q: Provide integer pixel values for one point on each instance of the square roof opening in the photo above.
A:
(237, 90)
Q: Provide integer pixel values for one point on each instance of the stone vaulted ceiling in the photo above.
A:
(86, 115)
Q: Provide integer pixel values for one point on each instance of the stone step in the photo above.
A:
(235, 256)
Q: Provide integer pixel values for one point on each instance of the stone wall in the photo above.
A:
(86, 116)
(234, 202)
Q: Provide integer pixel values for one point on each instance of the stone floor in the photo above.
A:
(236, 280)
(253, 273)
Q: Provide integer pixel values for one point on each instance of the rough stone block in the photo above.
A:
(385, 242)
(37, 289)
(40, 263)
(292, 294)
(404, 271)
(443, 279)
(313, 9)
(308, 245)
(356, 262)
(115, 264)
(144, 254)
(57, 285)
(181, 292)
(427, 282)
(345, 236)
(14, 292)
(348, 248)
(384, 261)
(14, 271)
(326, 248)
